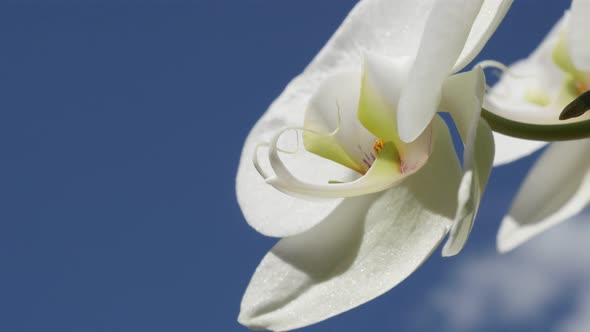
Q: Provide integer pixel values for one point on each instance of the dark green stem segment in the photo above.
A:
(556, 132)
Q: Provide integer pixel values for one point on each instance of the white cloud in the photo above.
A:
(521, 288)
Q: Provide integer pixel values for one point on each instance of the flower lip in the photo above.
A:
(365, 138)
(387, 170)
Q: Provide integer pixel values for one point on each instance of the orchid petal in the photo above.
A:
(515, 96)
(395, 28)
(389, 28)
(462, 96)
(472, 188)
(557, 188)
(367, 246)
(444, 37)
(487, 21)
(578, 36)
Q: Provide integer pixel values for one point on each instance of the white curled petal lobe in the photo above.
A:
(490, 16)
(262, 205)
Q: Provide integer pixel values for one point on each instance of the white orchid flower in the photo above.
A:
(355, 227)
(535, 91)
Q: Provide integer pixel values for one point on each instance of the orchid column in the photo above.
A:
(380, 185)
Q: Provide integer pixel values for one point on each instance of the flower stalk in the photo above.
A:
(539, 132)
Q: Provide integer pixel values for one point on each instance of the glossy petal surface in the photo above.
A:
(389, 28)
(557, 188)
(490, 16)
(366, 247)
(445, 35)
(462, 97)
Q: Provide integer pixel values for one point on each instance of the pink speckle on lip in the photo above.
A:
(369, 158)
(405, 168)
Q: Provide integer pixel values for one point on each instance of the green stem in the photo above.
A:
(556, 132)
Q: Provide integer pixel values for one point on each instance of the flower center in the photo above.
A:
(370, 157)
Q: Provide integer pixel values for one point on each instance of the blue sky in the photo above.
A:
(121, 126)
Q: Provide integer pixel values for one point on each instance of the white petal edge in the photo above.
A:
(462, 97)
(389, 28)
(489, 18)
(556, 188)
(366, 247)
(510, 149)
(445, 35)
(264, 206)
(577, 34)
(471, 190)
